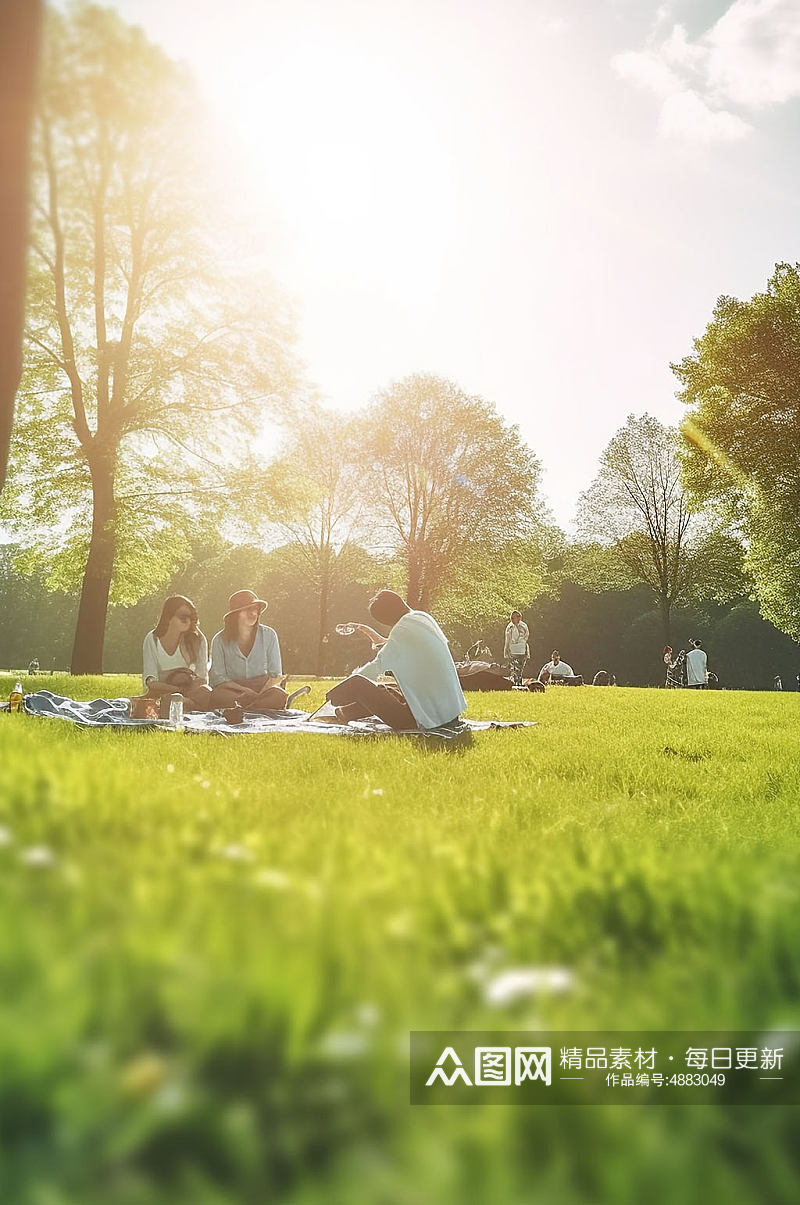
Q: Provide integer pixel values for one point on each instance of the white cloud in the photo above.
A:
(680, 52)
(754, 53)
(686, 115)
(648, 70)
(748, 59)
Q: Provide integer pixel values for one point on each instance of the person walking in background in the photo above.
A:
(246, 658)
(516, 649)
(696, 667)
(417, 654)
(175, 655)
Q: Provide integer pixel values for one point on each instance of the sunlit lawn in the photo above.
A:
(214, 949)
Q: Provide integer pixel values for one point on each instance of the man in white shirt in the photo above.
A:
(418, 655)
(516, 649)
(557, 670)
(696, 667)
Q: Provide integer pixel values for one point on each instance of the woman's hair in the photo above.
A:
(190, 640)
(230, 627)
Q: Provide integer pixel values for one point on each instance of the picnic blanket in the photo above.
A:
(114, 713)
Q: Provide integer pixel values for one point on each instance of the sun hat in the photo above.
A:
(240, 600)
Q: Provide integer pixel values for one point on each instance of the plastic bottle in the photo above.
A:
(15, 698)
(345, 629)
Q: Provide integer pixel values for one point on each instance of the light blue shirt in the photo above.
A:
(419, 656)
(229, 662)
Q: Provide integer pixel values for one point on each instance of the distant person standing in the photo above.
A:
(516, 649)
(696, 667)
(33, 668)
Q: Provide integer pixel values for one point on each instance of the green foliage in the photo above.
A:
(209, 987)
(508, 579)
(637, 506)
(742, 384)
(152, 359)
(449, 483)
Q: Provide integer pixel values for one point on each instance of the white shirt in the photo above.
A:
(562, 670)
(696, 662)
(157, 663)
(516, 639)
(419, 656)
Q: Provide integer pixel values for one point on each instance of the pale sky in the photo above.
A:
(540, 200)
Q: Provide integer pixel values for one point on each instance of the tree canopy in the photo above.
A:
(448, 481)
(150, 359)
(742, 385)
(638, 505)
(315, 499)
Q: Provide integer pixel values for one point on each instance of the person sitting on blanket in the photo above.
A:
(175, 655)
(246, 658)
(416, 652)
(558, 671)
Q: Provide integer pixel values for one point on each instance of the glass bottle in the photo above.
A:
(176, 710)
(15, 698)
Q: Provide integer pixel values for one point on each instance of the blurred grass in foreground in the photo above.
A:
(213, 950)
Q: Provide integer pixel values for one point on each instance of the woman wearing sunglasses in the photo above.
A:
(175, 655)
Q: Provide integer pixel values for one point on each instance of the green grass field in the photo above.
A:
(213, 950)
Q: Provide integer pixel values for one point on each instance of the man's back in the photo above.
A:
(696, 663)
(419, 656)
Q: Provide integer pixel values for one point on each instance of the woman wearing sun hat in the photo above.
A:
(246, 657)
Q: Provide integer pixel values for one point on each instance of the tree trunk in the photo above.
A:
(324, 599)
(414, 593)
(18, 57)
(90, 630)
(666, 624)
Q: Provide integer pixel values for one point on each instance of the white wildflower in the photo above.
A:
(518, 982)
(344, 1044)
(238, 853)
(37, 855)
(278, 880)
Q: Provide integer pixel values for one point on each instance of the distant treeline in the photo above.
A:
(615, 630)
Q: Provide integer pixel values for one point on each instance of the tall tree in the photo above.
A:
(315, 499)
(637, 504)
(19, 40)
(148, 356)
(448, 481)
(742, 384)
